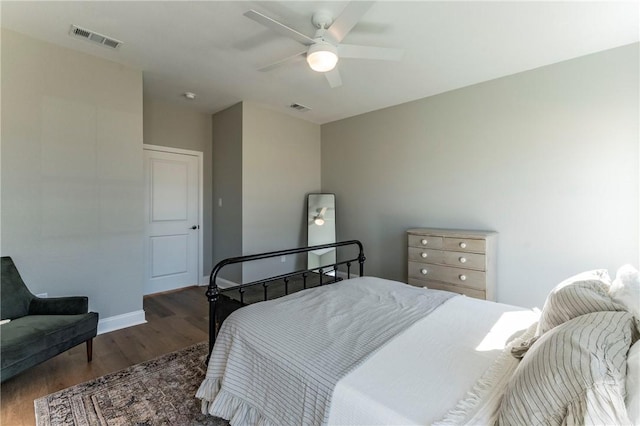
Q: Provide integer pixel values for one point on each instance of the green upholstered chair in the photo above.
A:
(40, 328)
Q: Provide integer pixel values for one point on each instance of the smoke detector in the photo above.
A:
(85, 34)
(189, 95)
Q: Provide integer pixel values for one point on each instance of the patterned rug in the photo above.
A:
(157, 392)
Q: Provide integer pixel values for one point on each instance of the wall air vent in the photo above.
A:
(89, 35)
(300, 107)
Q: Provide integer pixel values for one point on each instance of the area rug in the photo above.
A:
(157, 392)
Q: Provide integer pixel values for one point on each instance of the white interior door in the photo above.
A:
(172, 211)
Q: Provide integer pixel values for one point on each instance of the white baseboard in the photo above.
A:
(117, 322)
(222, 283)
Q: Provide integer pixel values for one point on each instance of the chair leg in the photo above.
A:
(89, 350)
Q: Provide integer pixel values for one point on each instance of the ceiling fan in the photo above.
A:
(324, 49)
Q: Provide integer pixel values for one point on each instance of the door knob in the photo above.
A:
(194, 227)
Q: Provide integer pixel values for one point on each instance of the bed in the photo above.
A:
(365, 350)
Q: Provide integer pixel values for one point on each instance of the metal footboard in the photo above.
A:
(213, 291)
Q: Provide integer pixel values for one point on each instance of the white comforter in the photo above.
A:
(428, 369)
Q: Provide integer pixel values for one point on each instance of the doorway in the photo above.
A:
(173, 218)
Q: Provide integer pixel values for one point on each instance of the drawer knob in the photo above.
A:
(423, 271)
(424, 255)
(463, 277)
(424, 242)
(463, 260)
(463, 245)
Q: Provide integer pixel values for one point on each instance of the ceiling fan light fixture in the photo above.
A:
(319, 218)
(322, 56)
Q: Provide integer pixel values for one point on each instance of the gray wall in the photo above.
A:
(548, 158)
(72, 178)
(280, 165)
(227, 186)
(178, 126)
(264, 164)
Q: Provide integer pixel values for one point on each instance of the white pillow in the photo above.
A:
(632, 400)
(625, 289)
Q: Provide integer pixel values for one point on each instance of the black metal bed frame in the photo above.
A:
(213, 291)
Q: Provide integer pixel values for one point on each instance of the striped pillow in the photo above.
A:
(633, 383)
(581, 294)
(574, 374)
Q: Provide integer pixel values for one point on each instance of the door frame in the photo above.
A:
(200, 157)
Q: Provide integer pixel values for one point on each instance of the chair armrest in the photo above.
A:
(72, 305)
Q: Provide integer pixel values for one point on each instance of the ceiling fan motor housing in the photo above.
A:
(322, 55)
(322, 19)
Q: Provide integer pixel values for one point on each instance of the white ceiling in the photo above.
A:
(211, 49)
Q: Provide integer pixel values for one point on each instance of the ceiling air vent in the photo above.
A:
(85, 34)
(300, 107)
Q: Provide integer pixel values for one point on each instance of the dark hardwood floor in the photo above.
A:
(174, 320)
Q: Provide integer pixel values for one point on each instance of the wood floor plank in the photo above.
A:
(175, 320)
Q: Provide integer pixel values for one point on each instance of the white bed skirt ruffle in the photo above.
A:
(220, 403)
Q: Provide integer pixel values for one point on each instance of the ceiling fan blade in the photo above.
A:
(348, 19)
(278, 27)
(370, 52)
(333, 77)
(289, 60)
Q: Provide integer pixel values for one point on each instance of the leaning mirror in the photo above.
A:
(321, 229)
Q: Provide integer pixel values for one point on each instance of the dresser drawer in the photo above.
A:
(447, 274)
(462, 260)
(437, 285)
(464, 244)
(452, 258)
(426, 241)
(426, 255)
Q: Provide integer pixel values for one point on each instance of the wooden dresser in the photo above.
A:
(454, 260)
